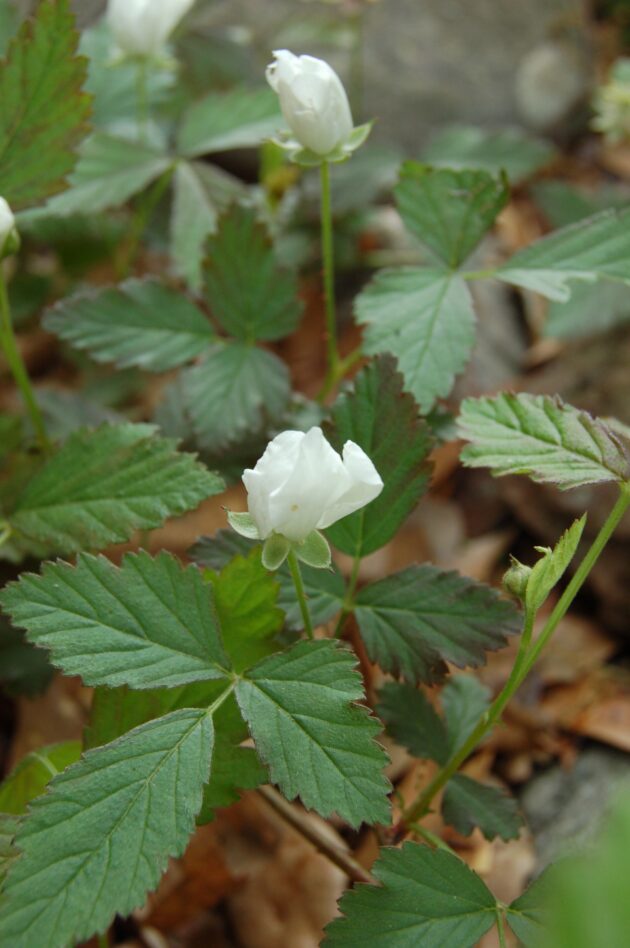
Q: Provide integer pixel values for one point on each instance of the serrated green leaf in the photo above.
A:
(425, 318)
(200, 193)
(109, 172)
(464, 699)
(593, 308)
(427, 897)
(528, 916)
(592, 249)
(8, 852)
(102, 485)
(383, 420)
(549, 569)
(138, 323)
(468, 804)
(245, 599)
(414, 621)
(98, 841)
(44, 111)
(324, 588)
(24, 669)
(147, 623)
(317, 744)
(512, 150)
(248, 292)
(541, 436)
(410, 718)
(236, 392)
(449, 210)
(241, 118)
(30, 776)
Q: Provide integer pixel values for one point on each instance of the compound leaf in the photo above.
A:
(468, 804)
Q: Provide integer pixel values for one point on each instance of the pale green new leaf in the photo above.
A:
(148, 623)
(427, 897)
(100, 838)
(415, 621)
(30, 776)
(425, 318)
(550, 567)
(235, 392)
(317, 743)
(44, 111)
(101, 485)
(449, 210)
(541, 436)
(241, 118)
(595, 248)
(468, 804)
(139, 323)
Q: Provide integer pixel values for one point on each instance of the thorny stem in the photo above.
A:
(17, 367)
(328, 259)
(524, 661)
(296, 576)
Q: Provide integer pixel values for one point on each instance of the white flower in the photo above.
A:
(8, 234)
(312, 99)
(142, 27)
(301, 484)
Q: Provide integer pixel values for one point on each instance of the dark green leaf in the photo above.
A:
(424, 317)
(383, 420)
(251, 296)
(448, 210)
(146, 624)
(416, 620)
(468, 804)
(102, 485)
(428, 898)
(241, 118)
(464, 699)
(413, 722)
(33, 773)
(528, 917)
(507, 149)
(24, 669)
(98, 841)
(540, 436)
(44, 112)
(317, 743)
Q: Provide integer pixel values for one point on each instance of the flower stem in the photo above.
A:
(16, 364)
(525, 659)
(348, 601)
(142, 100)
(329, 279)
(501, 926)
(296, 576)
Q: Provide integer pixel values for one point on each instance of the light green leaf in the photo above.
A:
(31, 775)
(245, 599)
(593, 308)
(377, 415)
(468, 804)
(250, 295)
(414, 621)
(241, 118)
(425, 318)
(238, 391)
(550, 567)
(541, 436)
(413, 722)
(102, 485)
(528, 916)
(146, 624)
(109, 172)
(464, 699)
(98, 841)
(44, 112)
(8, 852)
(138, 323)
(427, 897)
(317, 743)
(507, 149)
(200, 193)
(595, 248)
(449, 210)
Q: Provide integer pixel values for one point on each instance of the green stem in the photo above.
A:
(142, 100)
(5, 531)
(479, 274)
(524, 661)
(296, 576)
(16, 364)
(343, 366)
(501, 926)
(348, 600)
(142, 213)
(432, 838)
(103, 940)
(328, 259)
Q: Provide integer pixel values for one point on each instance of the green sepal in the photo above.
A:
(310, 159)
(244, 524)
(11, 245)
(314, 550)
(275, 550)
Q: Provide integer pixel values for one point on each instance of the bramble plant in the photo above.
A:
(197, 694)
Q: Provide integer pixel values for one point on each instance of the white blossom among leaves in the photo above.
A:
(142, 27)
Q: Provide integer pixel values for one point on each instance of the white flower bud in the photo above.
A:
(301, 484)
(142, 27)
(312, 99)
(9, 240)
